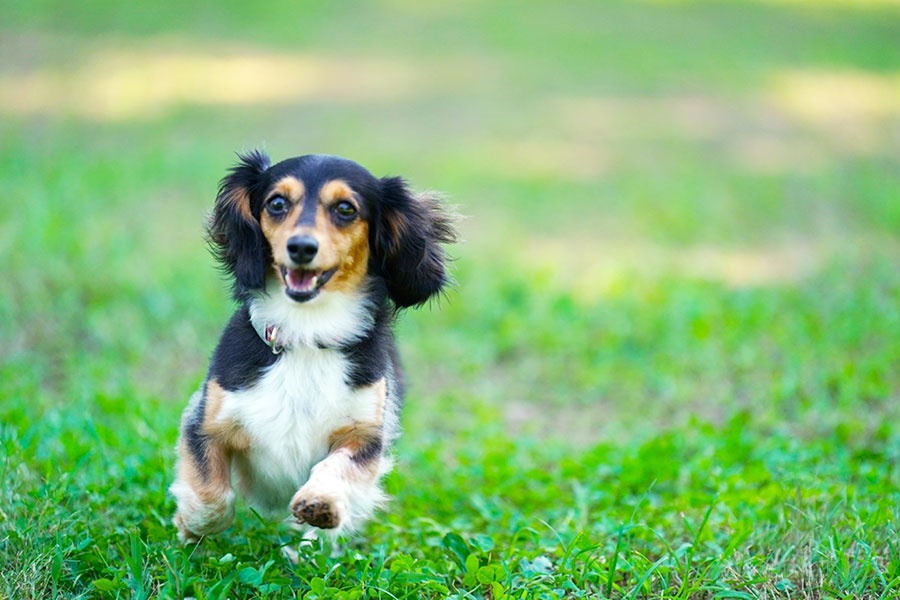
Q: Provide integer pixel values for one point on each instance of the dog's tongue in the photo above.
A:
(300, 279)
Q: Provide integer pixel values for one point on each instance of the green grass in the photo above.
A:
(670, 367)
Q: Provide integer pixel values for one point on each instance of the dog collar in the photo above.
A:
(271, 338)
(269, 334)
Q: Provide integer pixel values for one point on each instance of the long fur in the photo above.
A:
(408, 236)
(233, 229)
(309, 430)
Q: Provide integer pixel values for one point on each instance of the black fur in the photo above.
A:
(241, 355)
(407, 232)
(370, 450)
(406, 268)
(194, 437)
(370, 356)
(236, 364)
(237, 241)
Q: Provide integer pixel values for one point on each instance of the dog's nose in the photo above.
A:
(302, 248)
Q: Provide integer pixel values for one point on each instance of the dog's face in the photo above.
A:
(314, 218)
(323, 223)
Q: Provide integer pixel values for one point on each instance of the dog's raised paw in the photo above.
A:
(317, 512)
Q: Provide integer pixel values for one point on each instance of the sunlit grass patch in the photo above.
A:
(116, 84)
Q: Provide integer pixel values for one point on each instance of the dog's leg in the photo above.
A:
(202, 486)
(343, 489)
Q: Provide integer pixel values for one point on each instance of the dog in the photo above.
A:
(301, 402)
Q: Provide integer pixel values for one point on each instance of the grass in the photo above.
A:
(670, 365)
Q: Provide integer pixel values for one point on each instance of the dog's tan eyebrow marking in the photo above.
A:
(290, 187)
(337, 189)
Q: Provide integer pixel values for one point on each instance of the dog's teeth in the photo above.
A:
(314, 281)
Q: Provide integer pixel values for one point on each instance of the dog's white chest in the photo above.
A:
(289, 415)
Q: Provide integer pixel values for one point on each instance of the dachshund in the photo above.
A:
(301, 402)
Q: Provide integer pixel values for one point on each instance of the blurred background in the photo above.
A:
(677, 212)
(744, 145)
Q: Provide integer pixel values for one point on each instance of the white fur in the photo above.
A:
(297, 402)
(289, 414)
(354, 499)
(198, 517)
(328, 319)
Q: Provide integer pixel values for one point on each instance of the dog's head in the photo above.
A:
(323, 223)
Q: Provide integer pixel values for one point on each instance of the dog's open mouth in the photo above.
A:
(304, 284)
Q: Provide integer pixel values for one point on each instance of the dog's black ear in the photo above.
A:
(407, 236)
(233, 231)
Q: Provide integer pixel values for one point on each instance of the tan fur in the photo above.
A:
(346, 248)
(240, 198)
(320, 501)
(226, 432)
(212, 488)
(398, 226)
(225, 438)
(290, 187)
(352, 244)
(351, 438)
(278, 232)
(349, 246)
(337, 189)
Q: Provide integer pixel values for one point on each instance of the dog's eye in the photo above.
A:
(276, 205)
(344, 209)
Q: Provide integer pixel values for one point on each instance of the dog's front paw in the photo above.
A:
(317, 510)
(185, 535)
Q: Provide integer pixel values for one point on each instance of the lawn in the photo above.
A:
(670, 366)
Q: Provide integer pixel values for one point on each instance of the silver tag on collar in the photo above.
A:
(272, 339)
